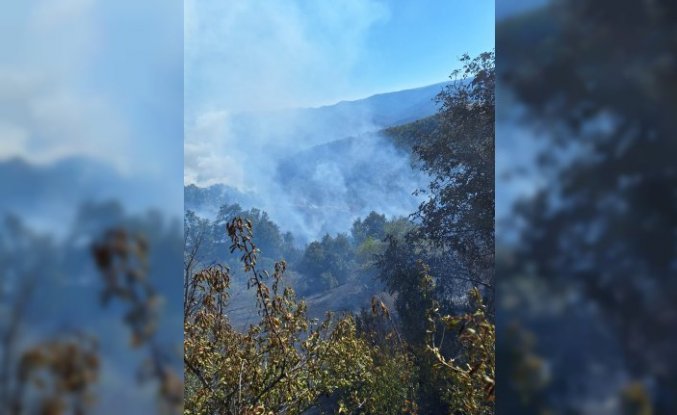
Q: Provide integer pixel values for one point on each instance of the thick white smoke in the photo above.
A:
(246, 67)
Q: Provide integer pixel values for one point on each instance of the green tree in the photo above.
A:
(470, 376)
(372, 226)
(330, 261)
(458, 216)
(285, 363)
(451, 247)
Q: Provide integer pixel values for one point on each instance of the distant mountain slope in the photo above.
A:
(391, 108)
(307, 127)
(373, 171)
(406, 136)
(338, 163)
(334, 183)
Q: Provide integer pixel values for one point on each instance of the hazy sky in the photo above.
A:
(98, 79)
(261, 55)
(107, 80)
(256, 54)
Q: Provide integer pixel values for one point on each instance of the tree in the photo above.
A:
(470, 376)
(371, 227)
(283, 364)
(269, 239)
(197, 244)
(458, 216)
(331, 261)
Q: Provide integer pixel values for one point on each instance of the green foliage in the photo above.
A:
(392, 386)
(327, 263)
(451, 249)
(409, 277)
(282, 364)
(338, 260)
(407, 136)
(398, 228)
(373, 226)
(205, 240)
(459, 156)
(470, 376)
(367, 252)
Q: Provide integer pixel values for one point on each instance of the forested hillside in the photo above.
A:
(384, 314)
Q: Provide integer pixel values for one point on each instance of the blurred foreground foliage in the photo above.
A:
(596, 81)
(61, 372)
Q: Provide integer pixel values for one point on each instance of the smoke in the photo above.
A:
(248, 70)
(324, 189)
(242, 57)
(309, 186)
(263, 55)
(42, 103)
(72, 86)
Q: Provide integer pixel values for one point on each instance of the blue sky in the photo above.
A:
(257, 55)
(420, 41)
